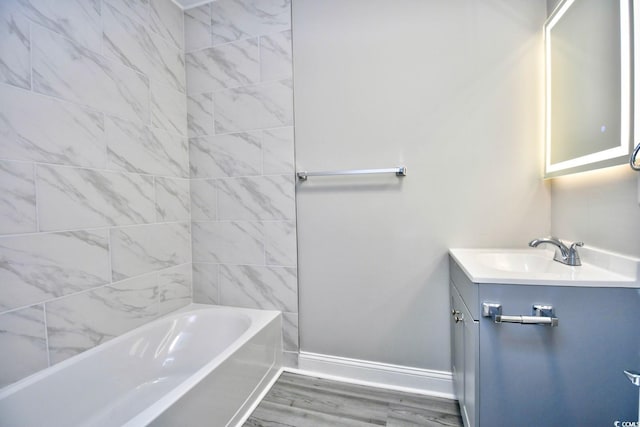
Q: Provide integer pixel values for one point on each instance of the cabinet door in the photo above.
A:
(457, 346)
(569, 375)
(470, 334)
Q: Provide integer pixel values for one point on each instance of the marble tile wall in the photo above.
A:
(241, 151)
(95, 209)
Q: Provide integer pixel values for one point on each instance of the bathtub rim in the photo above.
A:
(258, 319)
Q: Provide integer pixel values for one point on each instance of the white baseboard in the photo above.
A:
(383, 375)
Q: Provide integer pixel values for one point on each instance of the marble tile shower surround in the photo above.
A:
(148, 148)
(240, 127)
(95, 209)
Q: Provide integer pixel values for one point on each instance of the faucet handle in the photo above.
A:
(573, 245)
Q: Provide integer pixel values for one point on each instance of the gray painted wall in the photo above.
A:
(452, 90)
(599, 208)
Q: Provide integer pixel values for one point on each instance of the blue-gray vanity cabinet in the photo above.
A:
(537, 375)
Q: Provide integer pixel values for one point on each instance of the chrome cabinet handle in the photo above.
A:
(527, 320)
(457, 315)
(542, 315)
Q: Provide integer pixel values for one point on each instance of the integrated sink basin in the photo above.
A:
(536, 267)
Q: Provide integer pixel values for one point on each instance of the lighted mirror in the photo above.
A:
(588, 86)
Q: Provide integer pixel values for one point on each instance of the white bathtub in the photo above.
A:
(203, 365)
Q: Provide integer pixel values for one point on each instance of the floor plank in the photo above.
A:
(299, 401)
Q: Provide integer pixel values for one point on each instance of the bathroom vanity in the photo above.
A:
(565, 365)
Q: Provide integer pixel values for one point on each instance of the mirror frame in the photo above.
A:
(612, 156)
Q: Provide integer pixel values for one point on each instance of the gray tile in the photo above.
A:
(38, 267)
(229, 65)
(261, 106)
(167, 21)
(168, 109)
(236, 154)
(17, 198)
(234, 242)
(15, 46)
(142, 249)
(64, 69)
(174, 288)
(172, 199)
(72, 198)
(278, 151)
(271, 288)
(23, 343)
(128, 41)
(82, 321)
(42, 129)
(204, 199)
(205, 283)
(240, 19)
(138, 148)
(200, 114)
(275, 56)
(280, 244)
(259, 198)
(197, 27)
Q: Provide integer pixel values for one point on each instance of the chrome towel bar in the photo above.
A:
(542, 315)
(399, 171)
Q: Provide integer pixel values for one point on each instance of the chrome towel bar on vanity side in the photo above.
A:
(399, 171)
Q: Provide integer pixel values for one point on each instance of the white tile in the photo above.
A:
(229, 65)
(172, 199)
(142, 249)
(78, 20)
(278, 151)
(71, 198)
(168, 109)
(138, 148)
(38, 267)
(128, 41)
(239, 19)
(204, 199)
(15, 47)
(290, 331)
(197, 27)
(257, 198)
(275, 56)
(23, 343)
(205, 283)
(167, 21)
(42, 129)
(271, 288)
(17, 198)
(280, 243)
(137, 9)
(254, 107)
(200, 114)
(174, 288)
(237, 154)
(64, 69)
(82, 321)
(234, 242)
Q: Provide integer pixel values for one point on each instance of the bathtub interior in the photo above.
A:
(111, 383)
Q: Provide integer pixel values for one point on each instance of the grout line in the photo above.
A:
(100, 228)
(94, 288)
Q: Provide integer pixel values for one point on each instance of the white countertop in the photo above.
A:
(536, 267)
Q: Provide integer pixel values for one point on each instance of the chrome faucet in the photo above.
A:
(566, 255)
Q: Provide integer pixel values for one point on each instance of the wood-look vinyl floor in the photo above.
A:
(301, 401)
